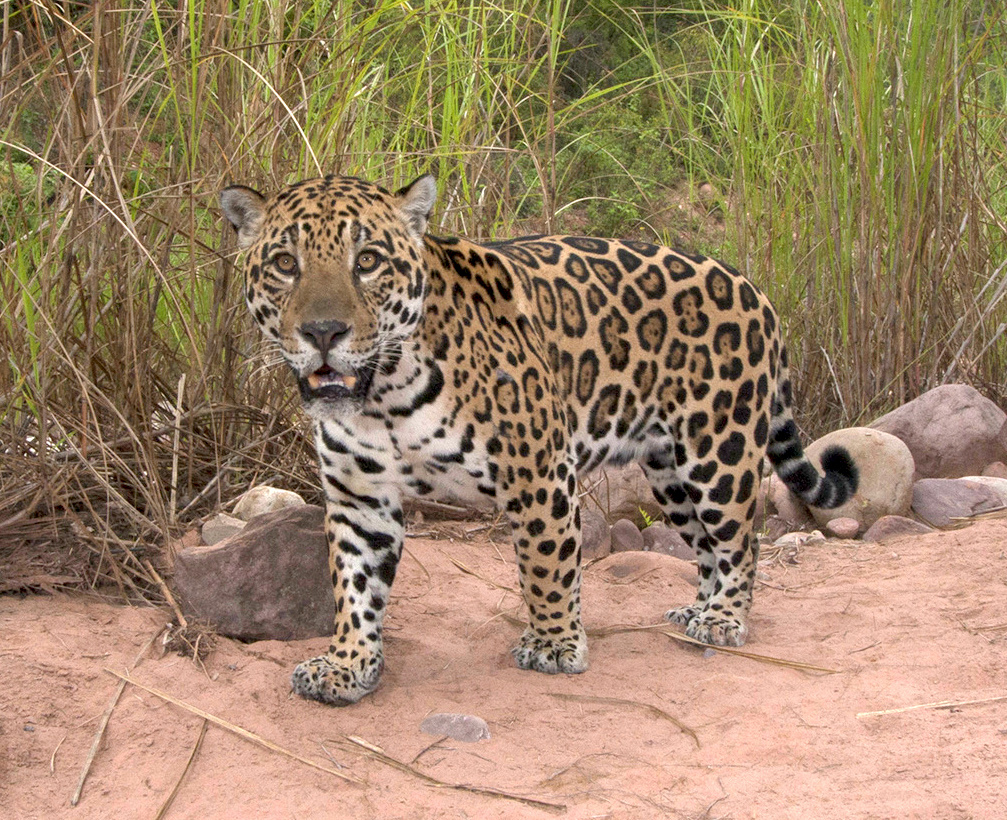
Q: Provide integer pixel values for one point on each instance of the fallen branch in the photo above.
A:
(237, 730)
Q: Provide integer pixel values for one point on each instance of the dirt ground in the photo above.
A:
(911, 623)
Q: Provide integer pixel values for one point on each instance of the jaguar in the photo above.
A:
(494, 375)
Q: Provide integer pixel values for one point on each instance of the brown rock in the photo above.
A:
(661, 538)
(622, 492)
(952, 431)
(843, 527)
(596, 540)
(269, 581)
(995, 470)
(895, 526)
(940, 500)
(626, 536)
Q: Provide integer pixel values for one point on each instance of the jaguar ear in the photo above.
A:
(244, 209)
(416, 201)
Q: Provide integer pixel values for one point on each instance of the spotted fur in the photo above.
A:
(495, 375)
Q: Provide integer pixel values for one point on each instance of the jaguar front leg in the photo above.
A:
(364, 528)
(547, 536)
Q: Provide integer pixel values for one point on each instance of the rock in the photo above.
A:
(895, 526)
(622, 492)
(843, 527)
(219, 527)
(466, 728)
(263, 499)
(952, 431)
(626, 536)
(788, 506)
(777, 527)
(596, 541)
(269, 581)
(996, 485)
(886, 475)
(995, 470)
(661, 538)
(939, 500)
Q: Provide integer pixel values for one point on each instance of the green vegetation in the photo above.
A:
(847, 154)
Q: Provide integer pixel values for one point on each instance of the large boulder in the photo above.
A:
(269, 581)
(886, 472)
(952, 431)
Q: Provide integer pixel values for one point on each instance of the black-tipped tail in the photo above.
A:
(827, 491)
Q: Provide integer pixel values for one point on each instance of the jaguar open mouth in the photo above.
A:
(330, 385)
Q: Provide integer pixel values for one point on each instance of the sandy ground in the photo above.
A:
(908, 623)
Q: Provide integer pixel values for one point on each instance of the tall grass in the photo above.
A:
(855, 152)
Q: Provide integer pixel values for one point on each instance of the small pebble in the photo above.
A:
(709, 653)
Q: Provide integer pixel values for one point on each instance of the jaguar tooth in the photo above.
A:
(314, 380)
(350, 382)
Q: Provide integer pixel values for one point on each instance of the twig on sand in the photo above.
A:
(622, 702)
(378, 754)
(940, 704)
(104, 722)
(238, 730)
(166, 593)
(188, 764)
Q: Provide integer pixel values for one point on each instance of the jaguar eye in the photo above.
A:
(286, 264)
(367, 261)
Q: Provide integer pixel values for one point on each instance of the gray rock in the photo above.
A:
(263, 499)
(995, 470)
(622, 492)
(843, 527)
(895, 526)
(952, 431)
(886, 475)
(466, 728)
(219, 527)
(269, 581)
(662, 539)
(939, 500)
(626, 536)
(995, 484)
(596, 541)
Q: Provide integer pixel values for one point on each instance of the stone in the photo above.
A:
(938, 501)
(219, 527)
(886, 470)
(843, 527)
(889, 527)
(596, 540)
(788, 506)
(269, 581)
(997, 469)
(263, 499)
(622, 492)
(626, 536)
(952, 431)
(997, 485)
(466, 728)
(661, 538)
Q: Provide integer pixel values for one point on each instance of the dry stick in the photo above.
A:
(621, 702)
(178, 783)
(378, 754)
(230, 727)
(941, 704)
(166, 593)
(104, 722)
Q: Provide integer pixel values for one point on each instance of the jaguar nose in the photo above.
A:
(323, 335)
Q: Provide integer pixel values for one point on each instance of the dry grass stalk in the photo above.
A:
(377, 753)
(469, 571)
(104, 722)
(634, 703)
(188, 764)
(941, 704)
(234, 729)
